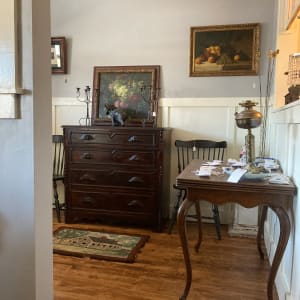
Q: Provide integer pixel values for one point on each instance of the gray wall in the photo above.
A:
(143, 32)
(25, 172)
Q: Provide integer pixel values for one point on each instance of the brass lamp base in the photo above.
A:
(250, 149)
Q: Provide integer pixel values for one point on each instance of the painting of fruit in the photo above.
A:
(229, 53)
(224, 50)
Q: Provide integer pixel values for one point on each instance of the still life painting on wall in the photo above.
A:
(224, 50)
(132, 91)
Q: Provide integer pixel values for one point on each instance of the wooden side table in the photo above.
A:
(217, 190)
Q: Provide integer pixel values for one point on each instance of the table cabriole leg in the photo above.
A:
(260, 231)
(285, 228)
(198, 213)
(183, 209)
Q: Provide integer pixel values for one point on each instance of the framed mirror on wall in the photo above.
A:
(58, 55)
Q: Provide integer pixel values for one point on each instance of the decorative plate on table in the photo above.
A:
(256, 176)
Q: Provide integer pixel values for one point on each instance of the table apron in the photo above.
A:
(247, 199)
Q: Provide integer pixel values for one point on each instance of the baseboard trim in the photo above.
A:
(242, 230)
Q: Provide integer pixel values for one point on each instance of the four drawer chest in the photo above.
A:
(117, 173)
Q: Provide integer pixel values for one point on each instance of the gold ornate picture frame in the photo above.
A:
(225, 50)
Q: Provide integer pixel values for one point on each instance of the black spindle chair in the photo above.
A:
(205, 150)
(58, 170)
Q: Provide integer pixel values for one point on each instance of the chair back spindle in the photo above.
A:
(198, 149)
(58, 156)
(58, 169)
(204, 150)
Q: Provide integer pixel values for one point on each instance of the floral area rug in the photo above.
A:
(97, 244)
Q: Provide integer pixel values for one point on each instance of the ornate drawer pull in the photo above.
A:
(87, 177)
(86, 156)
(112, 172)
(136, 179)
(134, 157)
(88, 200)
(86, 137)
(133, 139)
(135, 203)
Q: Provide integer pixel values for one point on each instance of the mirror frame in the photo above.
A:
(61, 42)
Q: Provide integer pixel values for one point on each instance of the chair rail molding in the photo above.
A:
(10, 89)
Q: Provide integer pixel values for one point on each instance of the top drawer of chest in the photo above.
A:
(113, 138)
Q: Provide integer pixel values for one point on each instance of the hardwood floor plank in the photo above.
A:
(223, 269)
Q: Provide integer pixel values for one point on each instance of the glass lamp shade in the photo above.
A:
(294, 69)
(293, 80)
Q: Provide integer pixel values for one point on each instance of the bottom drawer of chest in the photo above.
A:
(112, 201)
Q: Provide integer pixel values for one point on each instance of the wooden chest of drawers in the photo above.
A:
(117, 173)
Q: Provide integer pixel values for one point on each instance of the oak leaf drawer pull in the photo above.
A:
(87, 177)
(86, 155)
(135, 203)
(88, 200)
(136, 179)
(86, 137)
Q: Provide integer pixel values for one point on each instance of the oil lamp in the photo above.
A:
(248, 119)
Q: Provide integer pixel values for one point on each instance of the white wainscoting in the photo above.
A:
(66, 111)
(285, 136)
(211, 118)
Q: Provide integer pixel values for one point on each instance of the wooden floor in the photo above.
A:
(229, 269)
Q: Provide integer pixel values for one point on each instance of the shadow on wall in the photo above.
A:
(2, 227)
